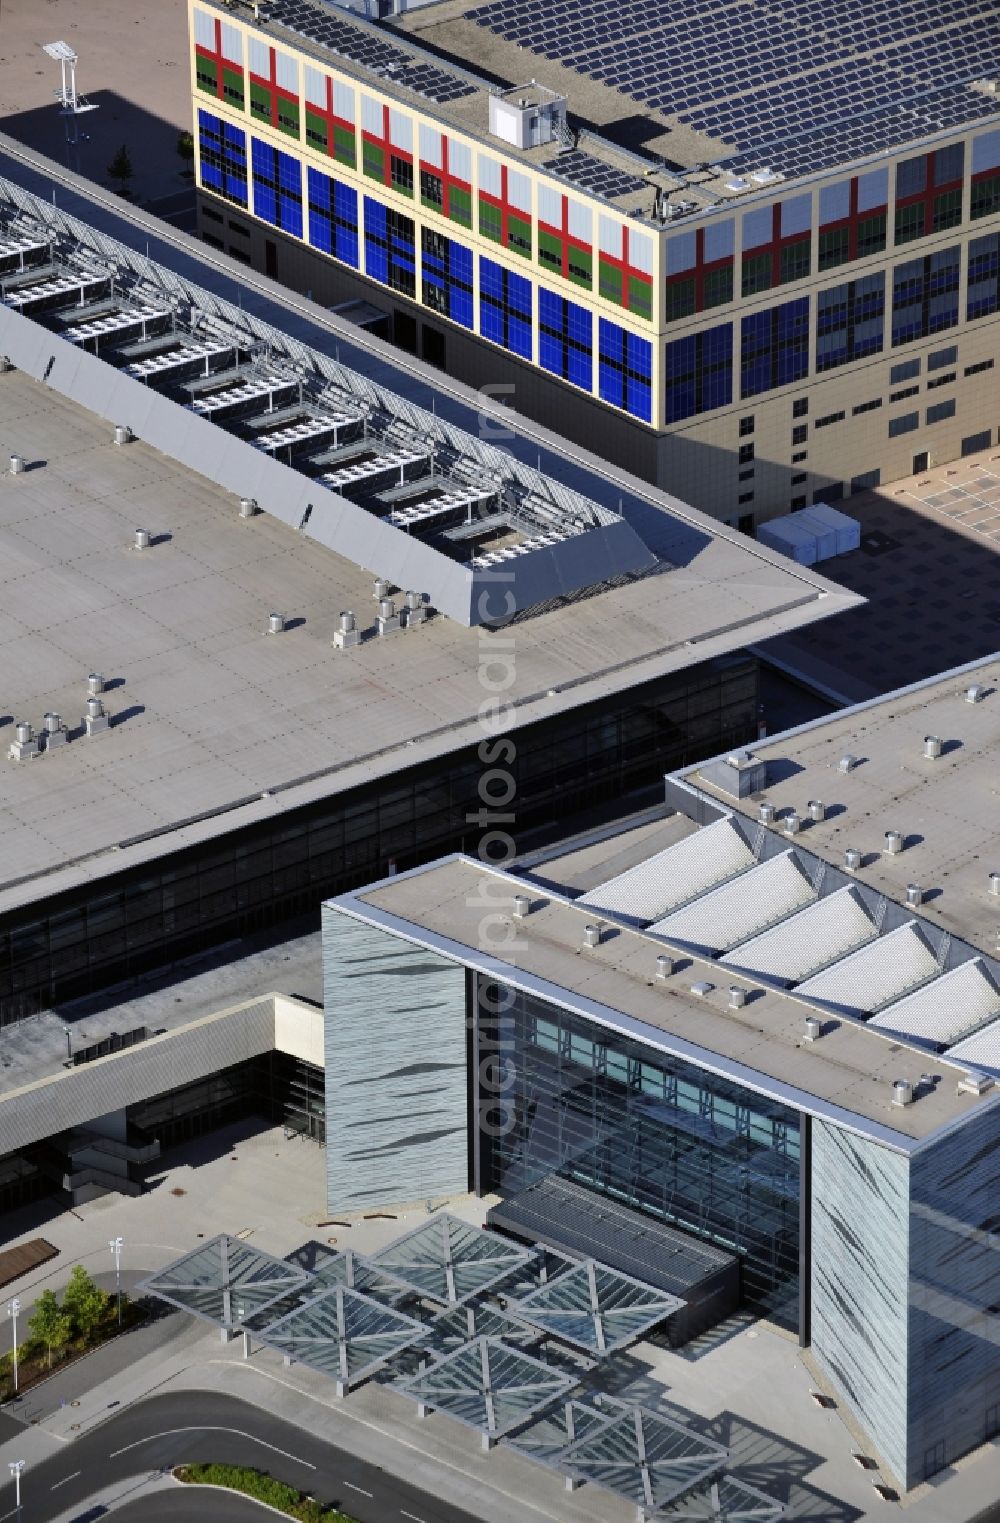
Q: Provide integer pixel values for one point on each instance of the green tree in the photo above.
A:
(84, 1303)
(185, 147)
(120, 169)
(49, 1324)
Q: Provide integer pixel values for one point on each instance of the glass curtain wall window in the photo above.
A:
(660, 1135)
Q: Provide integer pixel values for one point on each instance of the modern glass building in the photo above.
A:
(711, 1023)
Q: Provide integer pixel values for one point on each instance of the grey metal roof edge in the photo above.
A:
(683, 775)
(616, 1020)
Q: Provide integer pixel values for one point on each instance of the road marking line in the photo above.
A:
(362, 1490)
(217, 1428)
(65, 1479)
(404, 1514)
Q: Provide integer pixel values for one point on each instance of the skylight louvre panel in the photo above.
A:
(669, 879)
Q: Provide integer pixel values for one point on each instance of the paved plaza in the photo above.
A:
(929, 564)
(745, 1386)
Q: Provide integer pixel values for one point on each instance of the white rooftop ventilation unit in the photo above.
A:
(528, 116)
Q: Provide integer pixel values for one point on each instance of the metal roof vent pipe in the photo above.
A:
(972, 694)
(248, 507)
(95, 721)
(275, 623)
(765, 814)
(852, 859)
(348, 633)
(54, 732)
(914, 895)
(416, 610)
(140, 539)
(813, 1029)
(902, 1092)
(847, 763)
(16, 465)
(792, 824)
(387, 619)
(24, 746)
(95, 685)
(591, 935)
(995, 883)
(522, 906)
(123, 434)
(817, 810)
(380, 589)
(893, 843)
(664, 966)
(932, 746)
(737, 997)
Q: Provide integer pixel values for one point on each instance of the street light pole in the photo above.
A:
(15, 1467)
(116, 1244)
(13, 1307)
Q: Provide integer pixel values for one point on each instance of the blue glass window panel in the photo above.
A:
(580, 368)
(291, 216)
(550, 353)
(491, 322)
(520, 337)
(640, 400)
(460, 306)
(640, 355)
(611, 383)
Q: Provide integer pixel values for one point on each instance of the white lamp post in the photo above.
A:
(13, 1307)
(15, 1467)
(116, 1244)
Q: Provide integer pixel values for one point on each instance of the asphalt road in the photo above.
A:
(164, 1431)
(187, 1506)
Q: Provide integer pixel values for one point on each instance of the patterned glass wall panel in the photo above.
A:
(559, 1094)
(860, 1224)
(953, 1384)
(396, 1094)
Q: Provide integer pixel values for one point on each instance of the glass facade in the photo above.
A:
(774, 347)
(188, 901)
(559, 1094)
(223, 151)
(390, 252)
(565, 339)
(333, 217)
(699, 372)
(277, 187)
(925, 296)
(505, 307)
(447, 277)
(625, 370)
(850, 321)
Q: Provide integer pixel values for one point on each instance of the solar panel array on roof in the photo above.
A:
(957, 1003)
(872, 978)
(733, 911)
(797, 84)
(364, 45)
(593, 174)
(674, 876)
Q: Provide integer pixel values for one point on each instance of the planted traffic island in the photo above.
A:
(262, 1488)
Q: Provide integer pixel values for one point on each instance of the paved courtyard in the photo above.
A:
(746, 1386)
(929, 564)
